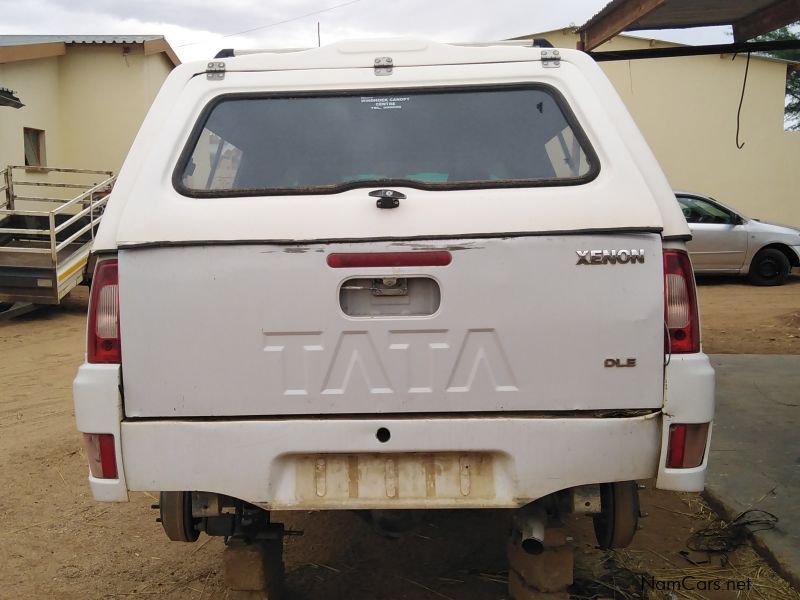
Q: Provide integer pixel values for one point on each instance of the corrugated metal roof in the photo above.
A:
(749, 18)
(676, 14)
(22, 40)
(649, 42)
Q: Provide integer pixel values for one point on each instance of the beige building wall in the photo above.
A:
(40, 81)
(90, 102)
(106, 93)
(686, 108)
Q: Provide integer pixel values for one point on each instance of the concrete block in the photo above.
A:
(519, 590)
(254, 568)
(550, 571)
(555, 536)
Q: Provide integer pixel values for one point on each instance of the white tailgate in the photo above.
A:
(250, 330)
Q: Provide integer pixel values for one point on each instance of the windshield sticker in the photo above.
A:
(384, 102)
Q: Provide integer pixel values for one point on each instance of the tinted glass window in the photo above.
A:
(487, 137)
(696, 210)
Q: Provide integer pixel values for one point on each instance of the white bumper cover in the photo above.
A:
(98, 409)
(688, 398)
(427, 462)
(264, 461)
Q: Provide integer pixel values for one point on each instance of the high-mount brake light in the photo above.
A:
(345, 260)
(680, 304)
(103, 344)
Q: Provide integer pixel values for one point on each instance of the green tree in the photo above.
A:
(790, 32)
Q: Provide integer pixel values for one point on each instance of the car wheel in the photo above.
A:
(769, 267)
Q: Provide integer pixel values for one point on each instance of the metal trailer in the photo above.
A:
(46, 236)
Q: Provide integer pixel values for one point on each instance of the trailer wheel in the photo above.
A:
(618, 520)
(176, 516)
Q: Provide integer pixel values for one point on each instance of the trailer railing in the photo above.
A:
(28, 228)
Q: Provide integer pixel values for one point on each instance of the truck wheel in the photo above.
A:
(176, 516)
(616, 524)
(769, 267)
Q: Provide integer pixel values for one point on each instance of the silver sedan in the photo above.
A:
(726, 242)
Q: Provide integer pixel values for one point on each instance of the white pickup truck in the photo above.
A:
(389, 275)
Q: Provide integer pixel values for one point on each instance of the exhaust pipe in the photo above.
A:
(530, 521)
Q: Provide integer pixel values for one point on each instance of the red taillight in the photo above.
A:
(687, 445)
(680, 304)
(101, 454)
(436, 258)
(103, 344)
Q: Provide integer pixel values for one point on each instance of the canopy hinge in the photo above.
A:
(383, 65)
(551, 59)
(215, 70)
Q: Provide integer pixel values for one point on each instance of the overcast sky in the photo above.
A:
(197, 29)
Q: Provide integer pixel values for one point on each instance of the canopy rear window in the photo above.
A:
(432, 139)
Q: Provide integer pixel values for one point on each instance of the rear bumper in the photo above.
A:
(442, 462)
(275, 463)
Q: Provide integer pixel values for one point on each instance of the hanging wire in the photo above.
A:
(275, 24)
(741, 101)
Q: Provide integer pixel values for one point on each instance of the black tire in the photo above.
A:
(769, 267)
(616, 525)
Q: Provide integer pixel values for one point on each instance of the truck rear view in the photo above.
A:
(392, 275)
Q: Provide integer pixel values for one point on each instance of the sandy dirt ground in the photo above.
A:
(742, 319)
(55, 541)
